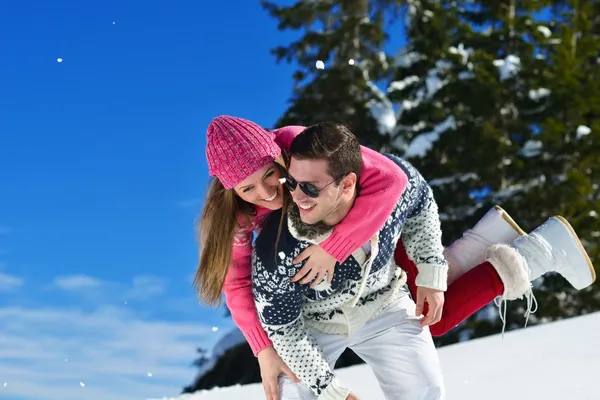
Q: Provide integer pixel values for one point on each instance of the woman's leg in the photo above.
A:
(509, 271)
(472, 283)
(469, 293)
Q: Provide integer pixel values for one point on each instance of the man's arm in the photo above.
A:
(422, 232)
(279, 305)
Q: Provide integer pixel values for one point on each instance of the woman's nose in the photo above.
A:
(265, 191)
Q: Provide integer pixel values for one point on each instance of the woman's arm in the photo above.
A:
(238, 292)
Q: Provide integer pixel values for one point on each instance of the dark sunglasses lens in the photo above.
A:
(309, 190)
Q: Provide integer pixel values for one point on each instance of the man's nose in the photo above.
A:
(298, 195)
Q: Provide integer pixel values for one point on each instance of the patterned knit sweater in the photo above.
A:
(361, 287)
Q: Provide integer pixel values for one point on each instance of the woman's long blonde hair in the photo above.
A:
(216, 229)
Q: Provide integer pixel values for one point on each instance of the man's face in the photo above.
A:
(328, 203)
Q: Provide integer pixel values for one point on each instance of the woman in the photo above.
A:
(248, 164)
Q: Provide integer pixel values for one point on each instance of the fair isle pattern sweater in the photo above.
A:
(382, 183)
(362, 285)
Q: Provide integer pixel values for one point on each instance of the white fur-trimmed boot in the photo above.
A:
(552, 247)
(496, 226)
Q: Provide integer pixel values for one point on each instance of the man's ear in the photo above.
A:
(349, 182)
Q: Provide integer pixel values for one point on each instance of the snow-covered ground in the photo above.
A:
(554, 361)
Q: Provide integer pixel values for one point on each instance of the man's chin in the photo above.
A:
(307, 220)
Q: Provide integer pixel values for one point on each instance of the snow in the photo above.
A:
(433, 83)
(464, 75)
(544, 30)
(531, 148)
(407, 58)
(508, 66)
(320, 65)
(453, 178)
(403, 84)
(538, 362)
(512, 190)
(536, 94)
(583, 130)
(460, 50)
(422, 143)
(228, 341)
(384, 114)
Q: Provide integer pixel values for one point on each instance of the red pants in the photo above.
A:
(466, 295)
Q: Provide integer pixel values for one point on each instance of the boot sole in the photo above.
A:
(506, 217)
(580, 245)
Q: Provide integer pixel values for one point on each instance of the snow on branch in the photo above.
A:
(421, 144)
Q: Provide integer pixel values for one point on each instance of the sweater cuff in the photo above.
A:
(257, 339)
(335, 391)
(432, 276)
(338, 246)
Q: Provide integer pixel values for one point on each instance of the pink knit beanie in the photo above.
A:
(236, 148)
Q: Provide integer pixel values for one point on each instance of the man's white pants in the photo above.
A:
(401, 354)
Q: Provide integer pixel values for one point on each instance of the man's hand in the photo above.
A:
(352, 396)
(271, 366)
(319, 264)
(435, 305)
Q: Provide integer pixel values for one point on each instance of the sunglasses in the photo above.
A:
(307, 188)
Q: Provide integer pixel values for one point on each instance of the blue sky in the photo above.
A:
(102, 174)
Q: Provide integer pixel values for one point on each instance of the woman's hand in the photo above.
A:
(319, 264)
(271, 366)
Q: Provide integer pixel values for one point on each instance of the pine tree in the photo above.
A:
(490, 111)
(340, 62)
(567, 163)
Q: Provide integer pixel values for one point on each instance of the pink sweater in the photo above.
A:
(381, 185)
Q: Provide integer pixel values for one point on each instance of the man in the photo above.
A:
(366, 307)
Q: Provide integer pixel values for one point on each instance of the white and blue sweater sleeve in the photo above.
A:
(279, 305)
(422, 232)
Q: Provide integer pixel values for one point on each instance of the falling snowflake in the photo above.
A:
(81, 384)
(214, 328)
(281, 255)
(150, 374)
(5, 384)
(320, 65)
(114, 22)
(59, 60)
(351, 61)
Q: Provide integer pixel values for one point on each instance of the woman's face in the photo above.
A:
(262, 188)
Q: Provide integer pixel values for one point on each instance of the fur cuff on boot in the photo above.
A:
(511, 268)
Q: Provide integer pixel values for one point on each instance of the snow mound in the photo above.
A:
(554, 361)
(228, 341)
